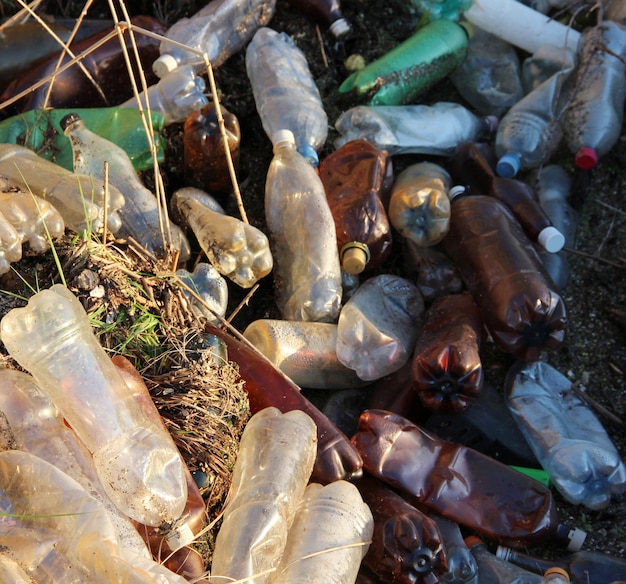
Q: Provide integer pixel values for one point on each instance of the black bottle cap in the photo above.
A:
(68, 120)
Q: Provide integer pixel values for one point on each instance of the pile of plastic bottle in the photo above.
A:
(416, 469)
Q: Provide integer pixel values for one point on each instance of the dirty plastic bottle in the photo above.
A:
(446, 365)
(566, 436)
(206, 283)
(462, 568)
(330, 534)
(582, 566)
(326, 12)
(543, 64)
(237, 250)
(140, 213)
(493, 570)
(357, 178)
(219, 29)
(204, 158)
(518, 302)
(304, 351)
(593, 119)
(10, 245)
(435, 129)
(274, 463)
(420, 207)
(460, 483)
(11, 572)
(303, 240)
(379, 325)
(412, 67)
(406, 546)
(79, 198)
(52, 339)
(285, 92)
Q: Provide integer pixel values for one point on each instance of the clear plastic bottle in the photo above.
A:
(543, 64)
(379, 325)
(137, 462)
(420, 207)
(207, 283)
(593, 119)
(330, 534)
(566, 436)
(285, 92)
(357, 178)
(412, 67)
(518, 302)
(140, 213)
(273, 467)
(11, 572)
(304, 351)
(303, 240)
(219, 29)
(10, 245)
(327, 12)
(237, 250)
(462, 568)
(435, 129)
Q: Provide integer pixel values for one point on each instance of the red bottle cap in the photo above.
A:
(586, 158)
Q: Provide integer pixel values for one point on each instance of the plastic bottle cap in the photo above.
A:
(163, 65)
(560, 571)
(354, 257)
(283, 136)
(310, 154)
(508, 165)
(576, 539)
(551, 239)
(179, 537)
(455, 191)
(339, 27)
(68, 120)
(586, 158)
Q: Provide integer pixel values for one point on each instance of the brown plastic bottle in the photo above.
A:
(406, 546)
(205, 163)
(357, 179)
(71, 88)
(458, 482)
(447, 369)
(517, 300)
(327, 12)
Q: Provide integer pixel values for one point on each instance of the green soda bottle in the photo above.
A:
(413, 66)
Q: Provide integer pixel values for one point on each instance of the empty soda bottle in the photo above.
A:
(446, 365)
(379, 325)
(208, 291)
(462, 568)
(566, 436)
(205, 164)
(459, 483)
(303, 240)
(435, 129)
(357, 179)
(285, 92)
(420, 207)
(517, 300)
(406, 546)
(326, 12)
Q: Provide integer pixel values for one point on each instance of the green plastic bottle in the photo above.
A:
(413, 66)
(39, 130)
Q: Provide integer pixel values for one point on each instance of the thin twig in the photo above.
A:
(597, 406)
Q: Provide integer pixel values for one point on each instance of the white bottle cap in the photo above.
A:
(283, 136)
(180, 536)
(455, 191)
(551, 239)
(576, 539)
(340, 27)
(163, 65)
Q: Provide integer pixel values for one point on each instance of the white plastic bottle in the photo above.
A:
(303, 240)
(285, 92)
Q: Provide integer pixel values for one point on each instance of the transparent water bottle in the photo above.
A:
(206, 283)
(303, 240)
(379, 325)
(274, 463)
(137, 462)
(462, 567)
(285, 92)
(435, 129)
(219, 29)
(566, 436)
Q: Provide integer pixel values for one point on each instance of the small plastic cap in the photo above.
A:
(180, 536)
(551, 239)
(455, 191)
(559, 571)
(163, 65)
(310, 154)
(586, 158)
(68, 120)
(340, 27)
(508, 165)
(576, 539)
(283, 136)
(354, 257)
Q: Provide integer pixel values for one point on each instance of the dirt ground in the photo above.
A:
(594, 354)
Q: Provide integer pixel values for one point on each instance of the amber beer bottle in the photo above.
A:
(447, 369)
(515, 295)
(357, 179)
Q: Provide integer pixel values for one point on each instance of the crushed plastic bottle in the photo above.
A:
(206, 283)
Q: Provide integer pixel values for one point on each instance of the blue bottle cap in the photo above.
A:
(508, 165)
(310, 154)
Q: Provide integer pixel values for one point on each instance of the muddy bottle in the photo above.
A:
(207, 293)
(459, 483)
(326, 12)
(516, 298)
(357, 179)
(582, 566)
(205, 162)
(406, 547)
(446, 366)
(414, 129)
(594, 118)
(462, 568)
(285, 92)
(303, 239)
